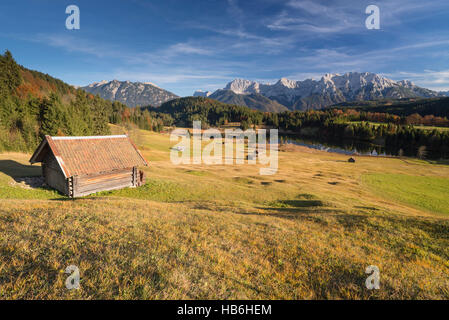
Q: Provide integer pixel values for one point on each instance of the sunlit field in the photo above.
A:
(226, 232)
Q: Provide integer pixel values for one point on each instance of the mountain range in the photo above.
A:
(131, 93)
(281, 96)
(317, 94)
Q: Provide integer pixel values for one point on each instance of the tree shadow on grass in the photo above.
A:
(306, 209)
(15, 169)
(303, 203)
(440, 162)
(352, 221)
(26, 176)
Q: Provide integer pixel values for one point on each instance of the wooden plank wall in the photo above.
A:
(53, 174)
(85, 185)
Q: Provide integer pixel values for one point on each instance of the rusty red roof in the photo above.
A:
(88, 155)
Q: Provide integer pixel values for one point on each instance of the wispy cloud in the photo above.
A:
(346, 59)
(235, 11)
(344, 16)
(318, 18)
(433, 79)
(102, 50)
(74, 44)
(187, 48)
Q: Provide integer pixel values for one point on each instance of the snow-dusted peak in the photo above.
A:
(97, 84)
(354, 81)
(287, 83)
(152, 84)
(406, 83)
(329, 76)
(242, 86)
(200, 93)
(131, 93)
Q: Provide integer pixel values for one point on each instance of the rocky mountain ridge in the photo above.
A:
(132, 94)
(329, 90)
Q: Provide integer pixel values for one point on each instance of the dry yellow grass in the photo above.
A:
(204, 232)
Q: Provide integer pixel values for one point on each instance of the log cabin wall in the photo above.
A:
(53, 174)
(88, 184)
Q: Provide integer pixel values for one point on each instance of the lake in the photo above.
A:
(347, 147)
(358, 147)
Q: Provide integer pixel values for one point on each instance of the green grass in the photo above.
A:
(196, 173)
(432, 128)
(428, 193)
(158, 190)
(9, 192)
(12, 165)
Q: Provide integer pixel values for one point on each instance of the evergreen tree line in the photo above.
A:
(335, 124)
(144, 118)
(439, 107)
(210, 112)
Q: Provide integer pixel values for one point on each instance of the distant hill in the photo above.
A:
(188, 104)
(212, 112)
(434, 106)
(329, 90)
(132, 94)
(254, 100)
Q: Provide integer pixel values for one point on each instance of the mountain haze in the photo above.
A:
(131, 93)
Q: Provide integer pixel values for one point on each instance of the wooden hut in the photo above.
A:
(79, 166)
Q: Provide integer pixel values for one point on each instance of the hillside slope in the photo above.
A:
(33, 104)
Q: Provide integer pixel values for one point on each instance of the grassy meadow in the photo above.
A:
(225, 232)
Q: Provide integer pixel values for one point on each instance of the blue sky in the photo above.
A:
(185, 45)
